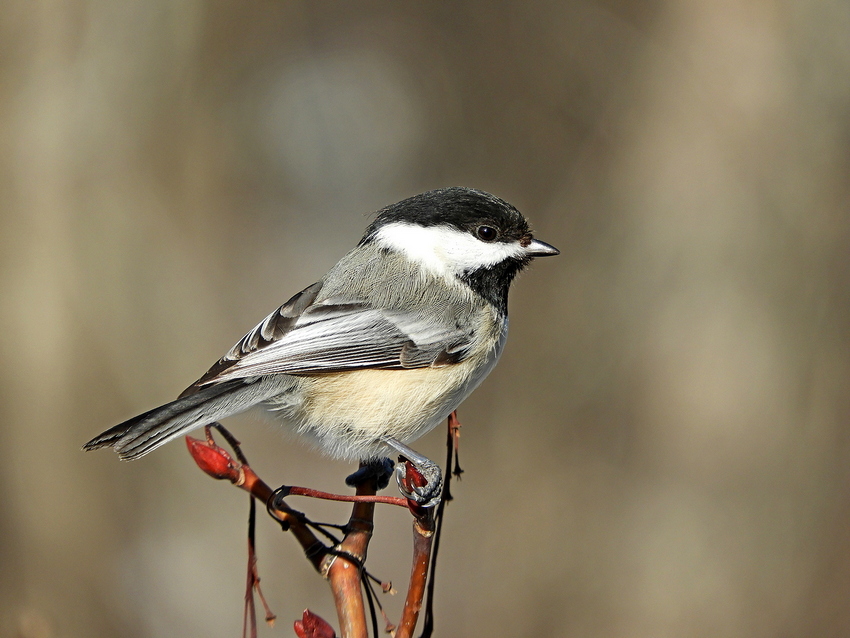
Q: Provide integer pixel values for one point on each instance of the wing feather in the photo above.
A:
(305, 337)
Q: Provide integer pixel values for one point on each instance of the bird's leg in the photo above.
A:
(427, 495)
(379, 469)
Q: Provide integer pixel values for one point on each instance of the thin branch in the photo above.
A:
(451, 450)
(454, 442)
(423, 533)
(344, 565)
(216, 462)
(294, 490)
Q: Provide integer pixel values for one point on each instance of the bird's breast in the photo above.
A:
(346, 413)
(373, 403)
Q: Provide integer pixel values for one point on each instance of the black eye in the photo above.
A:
(486, 233)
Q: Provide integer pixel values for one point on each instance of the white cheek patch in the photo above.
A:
(443, 250)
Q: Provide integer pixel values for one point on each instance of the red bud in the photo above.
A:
(212, 459)
(313, 626)
(413, 477)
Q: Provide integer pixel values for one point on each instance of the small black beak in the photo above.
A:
(539, 248)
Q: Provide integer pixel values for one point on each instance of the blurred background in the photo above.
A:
(663, 450)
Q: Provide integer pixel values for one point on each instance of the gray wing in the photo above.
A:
(306, 337)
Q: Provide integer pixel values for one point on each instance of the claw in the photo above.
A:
(419, 479)
(423, 484)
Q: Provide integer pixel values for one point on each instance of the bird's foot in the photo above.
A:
(379, 469)
(429, 493)
(424, 485)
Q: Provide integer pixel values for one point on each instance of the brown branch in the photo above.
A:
(439, 516)
(454, 444)
(423, 534)
(216, 462)
(294, 490)
(342, 565)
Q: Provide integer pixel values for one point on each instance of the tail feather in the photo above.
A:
(141, 434)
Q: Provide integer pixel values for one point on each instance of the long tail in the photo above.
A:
(142, 434)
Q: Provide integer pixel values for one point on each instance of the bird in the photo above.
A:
(381, 349)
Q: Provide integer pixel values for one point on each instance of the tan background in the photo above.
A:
(664, 449)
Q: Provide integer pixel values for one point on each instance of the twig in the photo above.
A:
(343, 564)
(343, 567)
(294, 490)
(216, 462)
(451, 450)
(253, 583)
(423, 534)
(454, 442)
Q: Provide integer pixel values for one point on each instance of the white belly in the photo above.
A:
(345, 414)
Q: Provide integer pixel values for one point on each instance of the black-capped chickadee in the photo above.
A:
(380, 350)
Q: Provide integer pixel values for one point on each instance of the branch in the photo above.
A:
(423, 534)
(218, 463)
(343, 564)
